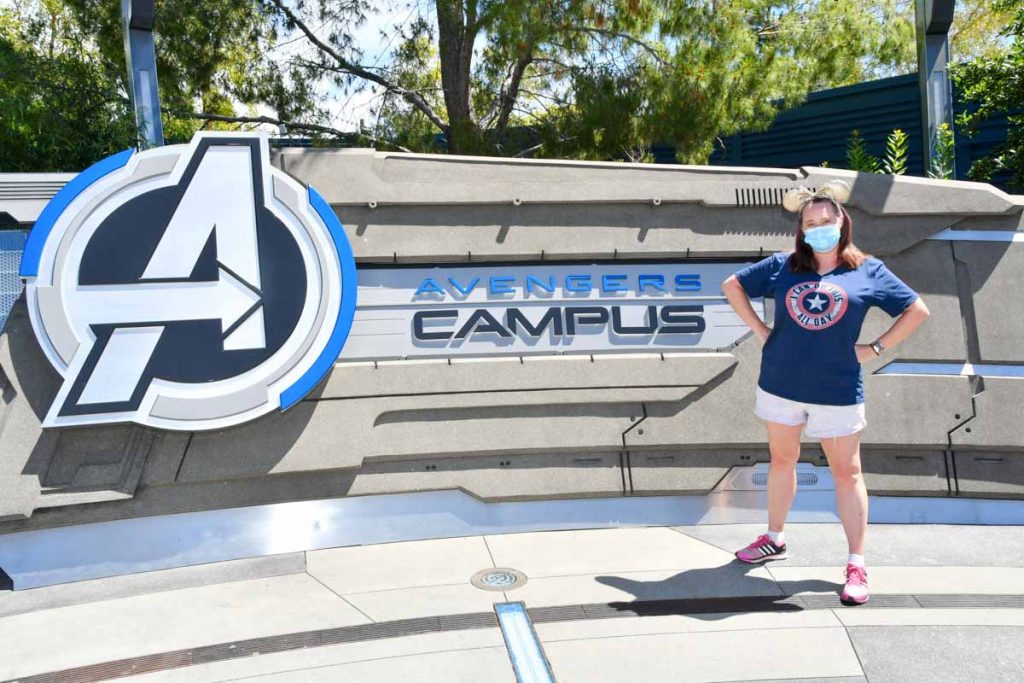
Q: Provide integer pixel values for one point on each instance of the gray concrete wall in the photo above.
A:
(549, 427)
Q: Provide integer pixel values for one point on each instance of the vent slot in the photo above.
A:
(755, 478)
(762, 196)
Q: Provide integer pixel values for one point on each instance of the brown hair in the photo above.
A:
(802, 257)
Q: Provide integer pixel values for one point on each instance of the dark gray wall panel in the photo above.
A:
(996, 474)
(928, 268)
(995, 279)
(997, 421)
(905, 472)
(499, 478)
(914, 410)
(695, 470)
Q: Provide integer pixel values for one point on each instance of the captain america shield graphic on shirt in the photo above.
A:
(816, 305)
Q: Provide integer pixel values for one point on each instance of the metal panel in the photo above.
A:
(12, 243)
(817, 130)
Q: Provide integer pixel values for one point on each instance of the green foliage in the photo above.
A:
(895, 160)
(976, 28)
(973, 33)
(857, 156)
(58, 111)
(586, 79)
(64, 101)
(995, 84)
(942, 164)
(595, 79)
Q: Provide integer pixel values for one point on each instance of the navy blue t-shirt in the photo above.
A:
(809, 355)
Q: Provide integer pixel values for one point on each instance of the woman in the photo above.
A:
(810, 361)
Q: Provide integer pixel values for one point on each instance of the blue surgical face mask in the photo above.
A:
(822, 238)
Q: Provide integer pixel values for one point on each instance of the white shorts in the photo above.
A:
(822, 420)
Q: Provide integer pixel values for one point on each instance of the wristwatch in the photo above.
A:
(877, 346)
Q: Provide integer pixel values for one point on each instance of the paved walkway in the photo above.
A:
(641, 603)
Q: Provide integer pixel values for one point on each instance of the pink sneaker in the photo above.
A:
(761, 550)
(856, 589)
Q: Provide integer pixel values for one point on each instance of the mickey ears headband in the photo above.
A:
(836, 190)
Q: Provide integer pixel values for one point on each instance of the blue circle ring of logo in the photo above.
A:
(52, 211)
(346, 311)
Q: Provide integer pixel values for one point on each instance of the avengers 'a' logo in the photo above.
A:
(187, 287)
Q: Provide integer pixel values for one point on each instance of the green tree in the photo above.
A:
(58, 111)
(995, 84)
(976, 30)
(582, 79)
(63, 79)
(214, 62)
(599, 80)
(973, 33)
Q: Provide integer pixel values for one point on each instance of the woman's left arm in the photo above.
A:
(908, 321)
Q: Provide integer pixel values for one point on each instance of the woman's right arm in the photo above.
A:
(740, 303)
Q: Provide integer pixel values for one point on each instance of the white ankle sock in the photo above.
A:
(856, 559)
(776, 537)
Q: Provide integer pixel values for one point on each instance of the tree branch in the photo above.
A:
(615, 34)
(354, 69)
(528, 150)
(508, 96)
(277, 122)
(501, 107)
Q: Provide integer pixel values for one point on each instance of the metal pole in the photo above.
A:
(933, 20)
(137, 19)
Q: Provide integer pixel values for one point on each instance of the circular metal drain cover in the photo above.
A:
(498, 579)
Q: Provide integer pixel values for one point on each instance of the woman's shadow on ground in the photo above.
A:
(714, 592)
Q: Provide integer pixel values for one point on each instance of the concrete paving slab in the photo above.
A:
(587, 551)
(684, 623)
(354, 585)
(462, 666)
(931, 617)
(887, 544)
(917, 580)
(830, 679)
(406, 603)
(940, 653)
(81, 592)
(723, 581)
(51, 640)
(389, 566)
(719, 656)
(329, 656)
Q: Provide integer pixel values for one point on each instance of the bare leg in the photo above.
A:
(784, 446)
(843, 453)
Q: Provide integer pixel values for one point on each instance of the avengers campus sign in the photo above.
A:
(511, 310)
(196, 287)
